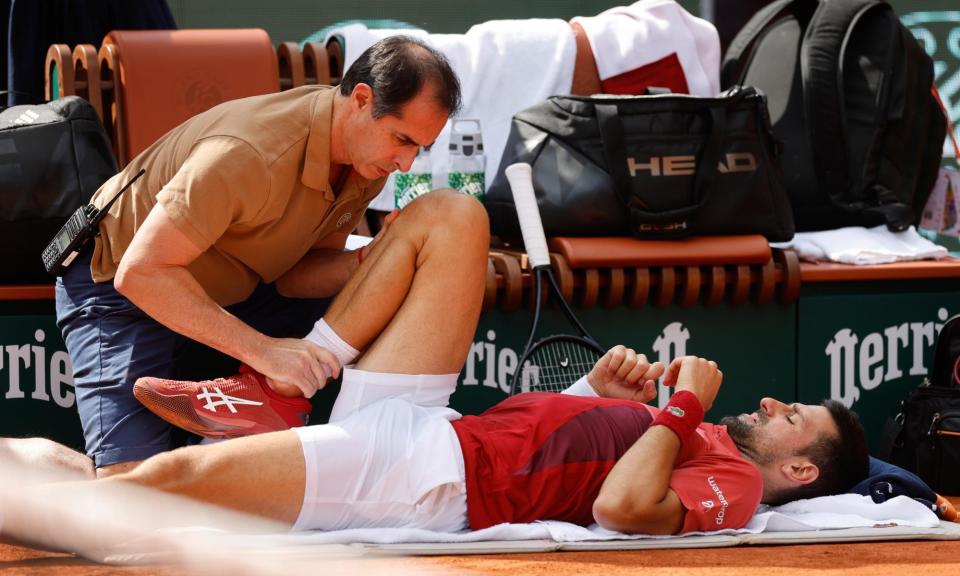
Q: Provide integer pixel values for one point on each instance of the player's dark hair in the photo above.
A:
(843, 459)
(396, 69)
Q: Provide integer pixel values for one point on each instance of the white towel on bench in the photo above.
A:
(629, 37)
(862, 246)
(504, 66)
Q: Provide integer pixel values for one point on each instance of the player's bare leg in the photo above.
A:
(44, 506)
(261, 474)
(43, 455)
(413, 305)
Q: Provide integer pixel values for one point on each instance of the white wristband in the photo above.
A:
(581, 388)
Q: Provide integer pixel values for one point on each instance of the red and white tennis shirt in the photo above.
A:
(543, 456)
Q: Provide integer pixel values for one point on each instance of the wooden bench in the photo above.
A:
(921, 269)
(616, 271)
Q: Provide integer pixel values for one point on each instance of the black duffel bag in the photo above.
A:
(53, 157)
(925, 436)
(660, 166)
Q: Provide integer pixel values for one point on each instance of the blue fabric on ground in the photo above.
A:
(885, 481)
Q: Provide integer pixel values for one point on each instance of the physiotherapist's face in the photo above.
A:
(379, 146)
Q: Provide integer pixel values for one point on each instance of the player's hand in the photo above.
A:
(296, 367)
(698, 375)
(624, 374)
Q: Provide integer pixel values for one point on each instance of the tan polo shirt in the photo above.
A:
(247, 182)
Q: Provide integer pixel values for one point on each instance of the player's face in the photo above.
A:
(778, 430)
(379, 146)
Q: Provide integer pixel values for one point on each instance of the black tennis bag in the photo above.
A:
(849, 92)
(655, 166)
(925, 437)
(53, 157)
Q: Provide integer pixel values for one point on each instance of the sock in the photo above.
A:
(323, 335)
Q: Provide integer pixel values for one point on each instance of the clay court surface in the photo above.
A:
(879, 559)
(924, 558)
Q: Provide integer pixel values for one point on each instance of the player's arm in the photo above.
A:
(153, 275)
(636, 496)
(323, 270)
(326, 268)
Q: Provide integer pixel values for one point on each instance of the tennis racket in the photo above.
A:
(553, 362)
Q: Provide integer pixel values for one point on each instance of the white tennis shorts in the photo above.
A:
(389, 457)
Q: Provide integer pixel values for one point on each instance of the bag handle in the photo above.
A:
(614, 151)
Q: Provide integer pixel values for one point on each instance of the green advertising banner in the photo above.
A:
(36, 381)
(868, 350)
(753, 345)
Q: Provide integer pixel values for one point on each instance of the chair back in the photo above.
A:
(162, 77)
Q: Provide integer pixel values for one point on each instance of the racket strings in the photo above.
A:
(556, 365)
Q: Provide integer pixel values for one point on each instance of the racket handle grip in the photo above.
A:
(520, 176)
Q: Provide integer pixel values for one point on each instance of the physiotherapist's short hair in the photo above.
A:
(396, 69)
(843, 459)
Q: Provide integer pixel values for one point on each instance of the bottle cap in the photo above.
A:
(465, 138)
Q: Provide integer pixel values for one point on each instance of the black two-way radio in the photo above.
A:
(81, 227)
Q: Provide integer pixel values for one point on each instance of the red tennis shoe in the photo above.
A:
(239, 405)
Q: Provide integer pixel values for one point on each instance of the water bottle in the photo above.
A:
(416, 181)
(467, 163)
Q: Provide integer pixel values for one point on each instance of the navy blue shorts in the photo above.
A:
(111, 343)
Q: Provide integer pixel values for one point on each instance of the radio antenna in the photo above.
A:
(101, 214)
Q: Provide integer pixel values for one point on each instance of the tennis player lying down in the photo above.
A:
(395, 455)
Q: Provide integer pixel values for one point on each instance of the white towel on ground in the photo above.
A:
(858, 245)
(629, 37)
(828, 512)
(818, 520)
(843, 511)
(504, 66)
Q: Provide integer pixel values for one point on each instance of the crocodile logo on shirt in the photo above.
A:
(344, 219)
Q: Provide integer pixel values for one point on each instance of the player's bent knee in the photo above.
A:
(463, 214)
(447, 210)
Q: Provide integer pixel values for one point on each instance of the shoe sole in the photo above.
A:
(178, 409)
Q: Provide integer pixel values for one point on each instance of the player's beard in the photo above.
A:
(748, 438)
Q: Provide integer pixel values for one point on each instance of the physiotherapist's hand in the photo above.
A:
(295, 367)
(624, 374)
(698, 375)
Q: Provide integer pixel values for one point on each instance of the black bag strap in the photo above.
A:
(898, 214)
(888, 204)
(891, 438)
(614, 151)
(821, 62)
